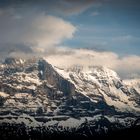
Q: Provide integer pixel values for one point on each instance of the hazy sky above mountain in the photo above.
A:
(54, 26)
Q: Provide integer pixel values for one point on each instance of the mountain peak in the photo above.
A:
(99, 71)
(13, 60)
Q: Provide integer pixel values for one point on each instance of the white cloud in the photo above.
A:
(126, 66)
(42, 31)
(72, 7)
(50, 31)
(95, 13)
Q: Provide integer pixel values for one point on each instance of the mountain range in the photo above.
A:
(40, 97)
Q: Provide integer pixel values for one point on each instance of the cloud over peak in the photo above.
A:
(126, 67)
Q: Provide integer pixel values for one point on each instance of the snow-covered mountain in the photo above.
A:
(37, 94)
(133, 84)
(102, 84)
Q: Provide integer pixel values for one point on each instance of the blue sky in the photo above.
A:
(108, 27)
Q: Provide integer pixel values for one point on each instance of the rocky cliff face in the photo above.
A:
(36, 93)
(47, 72)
